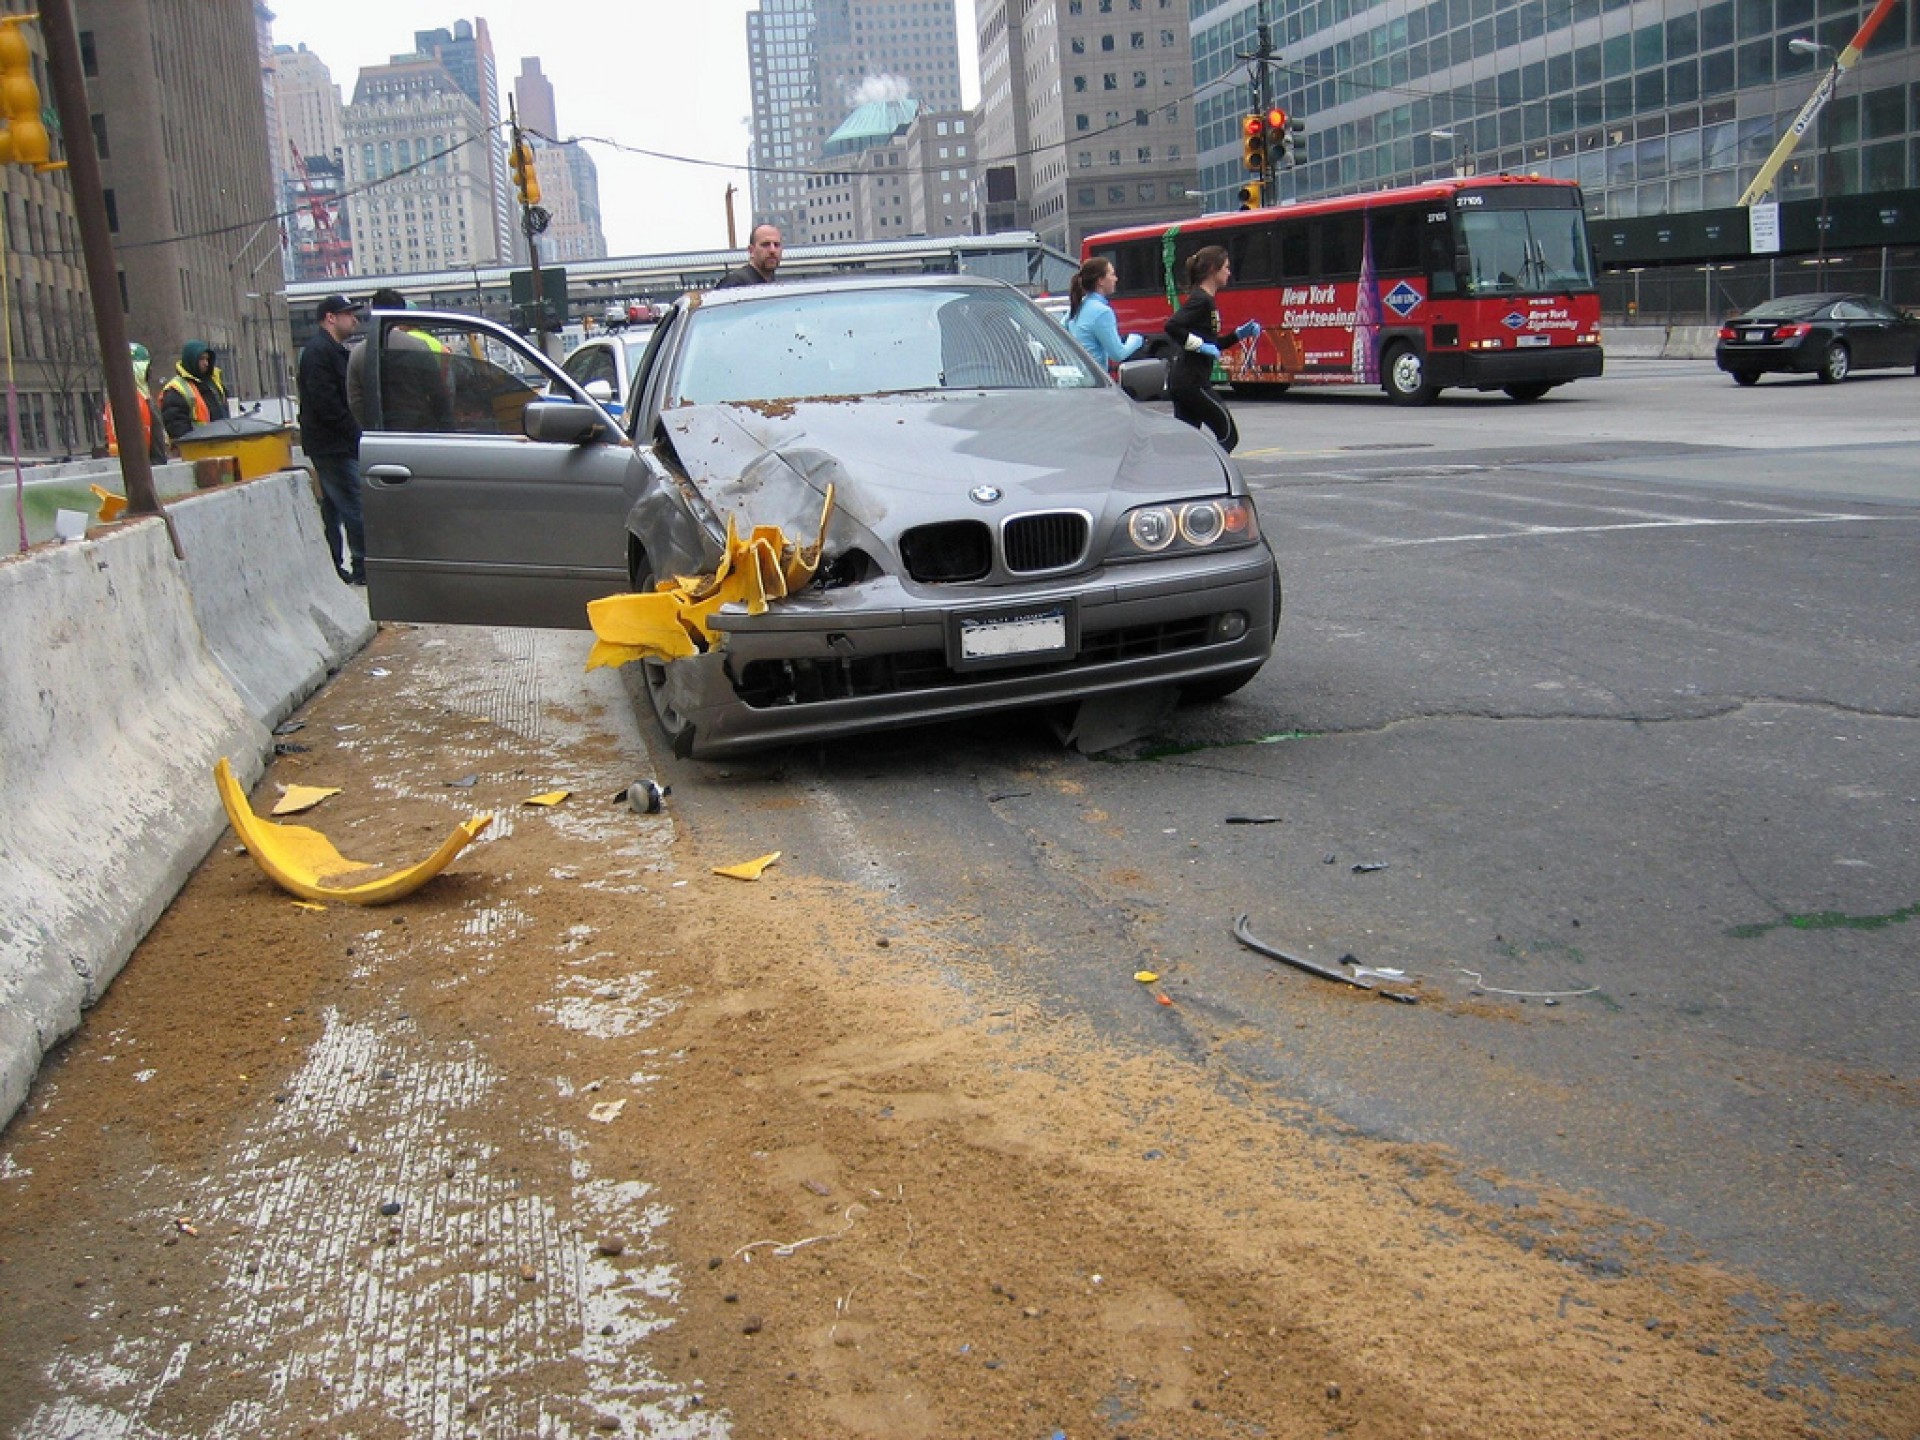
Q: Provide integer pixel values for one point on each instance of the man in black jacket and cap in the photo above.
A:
(330, 435)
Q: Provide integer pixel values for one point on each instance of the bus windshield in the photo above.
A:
(1516, 252)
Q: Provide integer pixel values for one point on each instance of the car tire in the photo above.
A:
(1529, 392)
(1835, 364)
(1403, 374)
(1218, 687)
(1745, 377)
(653, 677)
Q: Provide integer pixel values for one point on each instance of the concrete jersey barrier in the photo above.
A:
(124, 674)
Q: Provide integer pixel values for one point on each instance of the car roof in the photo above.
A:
(833, 284)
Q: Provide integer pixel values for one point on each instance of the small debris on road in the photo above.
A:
(465, 782)
(748, 869)
(1367, 867)
(1243, 932)
(644, 797)
(1255, 819)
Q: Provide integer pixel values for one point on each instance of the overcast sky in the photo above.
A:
(668, 76)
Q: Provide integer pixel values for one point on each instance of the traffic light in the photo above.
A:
(24, 140)
(1281, 128)
(1253, 143)
(525, 182)
(1250, 195)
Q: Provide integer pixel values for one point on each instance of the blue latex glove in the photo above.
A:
(1212, 352)
(1249, 331)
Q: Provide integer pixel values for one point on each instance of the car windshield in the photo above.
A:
(1793, 307)
(884, 340)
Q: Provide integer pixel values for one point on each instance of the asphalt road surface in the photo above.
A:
(1597, 717)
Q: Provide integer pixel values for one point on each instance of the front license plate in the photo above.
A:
(1012, 636)
(1534, 340)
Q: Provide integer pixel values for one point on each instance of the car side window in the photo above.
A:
(442, 378)
(1847, 310)
(591, 364)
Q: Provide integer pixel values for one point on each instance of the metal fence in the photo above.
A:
(1706, 294)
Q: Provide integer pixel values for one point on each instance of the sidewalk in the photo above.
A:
(275, 1197)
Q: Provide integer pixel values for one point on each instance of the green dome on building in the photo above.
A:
(874, 123)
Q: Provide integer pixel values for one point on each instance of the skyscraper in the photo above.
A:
(569, 180)
(808, 61)
(1103, 88)
(417, 157)
(466, 53)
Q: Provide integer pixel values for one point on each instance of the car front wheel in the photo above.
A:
(1835, 364)
(1746, 377)
(653, 675)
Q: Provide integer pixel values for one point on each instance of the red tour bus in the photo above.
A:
(1485, 283)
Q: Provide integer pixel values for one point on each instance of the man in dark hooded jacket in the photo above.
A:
(196, 394)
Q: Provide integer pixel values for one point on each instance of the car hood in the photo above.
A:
(899, 461)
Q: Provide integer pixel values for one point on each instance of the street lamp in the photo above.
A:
(1800, 45)
(1447, 136)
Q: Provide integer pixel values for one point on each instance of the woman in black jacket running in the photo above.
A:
(1195, 331)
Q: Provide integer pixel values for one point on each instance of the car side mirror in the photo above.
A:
(562, 422)
(1144, 379)
(601, 390)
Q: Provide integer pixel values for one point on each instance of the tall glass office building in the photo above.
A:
(1656, 107)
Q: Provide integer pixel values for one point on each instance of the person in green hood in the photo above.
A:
(196, 394)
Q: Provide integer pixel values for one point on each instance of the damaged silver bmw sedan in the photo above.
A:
(997, 524)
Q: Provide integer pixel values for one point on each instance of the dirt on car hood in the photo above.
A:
(900, 461)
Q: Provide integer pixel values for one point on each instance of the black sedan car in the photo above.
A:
(1826, 335)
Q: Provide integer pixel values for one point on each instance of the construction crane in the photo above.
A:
(326, 254)
(1810, 112)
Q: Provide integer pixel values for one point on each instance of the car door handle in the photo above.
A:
(390, 474)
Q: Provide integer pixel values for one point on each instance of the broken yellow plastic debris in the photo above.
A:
(295, 798)
(1145, 977)
(303, 861)
(552, 797)
(111, 505)
(748, 870)
(672, 621)
(309, 905)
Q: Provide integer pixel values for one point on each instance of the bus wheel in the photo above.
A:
(1406, 377)
(1533, 390)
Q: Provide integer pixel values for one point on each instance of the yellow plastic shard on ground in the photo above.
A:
(303, 861)
(111, 505)
(295, 798)
(552, 797)
(672, 621)
(747, 870)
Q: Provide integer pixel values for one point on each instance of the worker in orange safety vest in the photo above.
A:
(156, 438)
(196, 394)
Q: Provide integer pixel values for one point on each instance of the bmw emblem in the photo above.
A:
(984, 494)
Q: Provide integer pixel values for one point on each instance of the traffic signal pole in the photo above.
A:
(96, 249)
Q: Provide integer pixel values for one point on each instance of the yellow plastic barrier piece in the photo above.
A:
(111, 505)
(295, 798)
(303, 861)
(747, 869)
(672, 621)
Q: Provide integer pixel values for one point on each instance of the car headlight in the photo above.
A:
(1189, 525)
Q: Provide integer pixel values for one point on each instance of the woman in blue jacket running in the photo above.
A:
(1090, 318)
